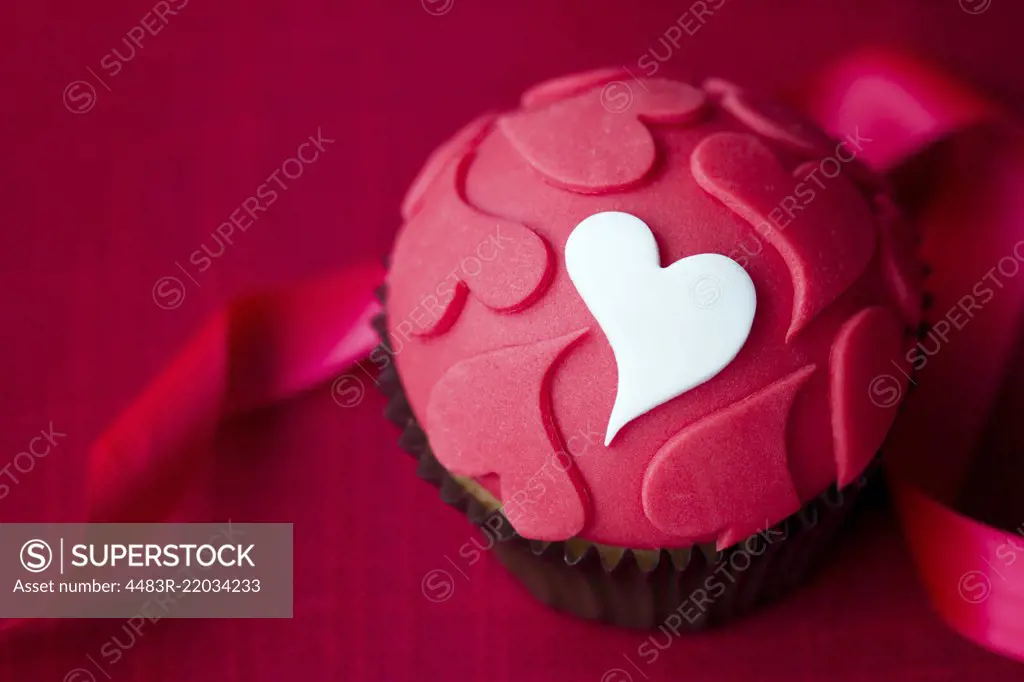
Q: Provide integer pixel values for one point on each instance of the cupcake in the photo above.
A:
(650, 337)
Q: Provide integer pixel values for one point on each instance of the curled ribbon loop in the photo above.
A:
(958, 163)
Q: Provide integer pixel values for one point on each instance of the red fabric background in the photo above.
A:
(99, 206)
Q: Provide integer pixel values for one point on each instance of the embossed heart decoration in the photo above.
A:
(671, 329)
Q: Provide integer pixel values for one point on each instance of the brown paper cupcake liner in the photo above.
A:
(680, 589)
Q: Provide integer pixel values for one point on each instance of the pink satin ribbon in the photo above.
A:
(259, 350)
(267, 347)
(952, 446)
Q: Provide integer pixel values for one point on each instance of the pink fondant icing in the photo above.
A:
(597, 141)
(502, 399)
(811, 276)
(502, 263)
(824, 233)
(869, 377)
(555, 89)
(714, 479)
(791, 132)
(463, 143)
(777, 123)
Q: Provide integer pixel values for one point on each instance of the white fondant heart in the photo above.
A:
(671, 329)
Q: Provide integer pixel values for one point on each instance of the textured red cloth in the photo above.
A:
(99, 206)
